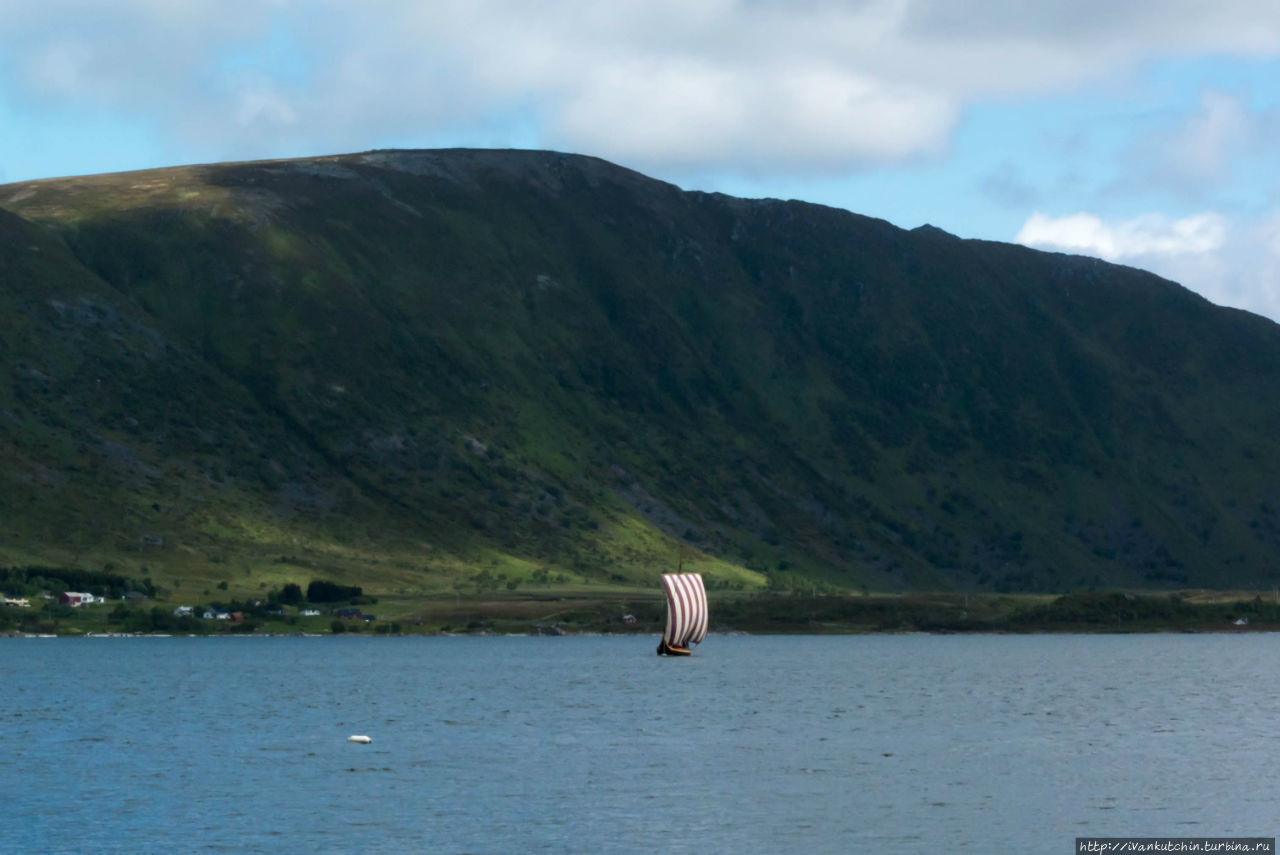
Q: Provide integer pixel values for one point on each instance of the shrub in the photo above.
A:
(330, 592)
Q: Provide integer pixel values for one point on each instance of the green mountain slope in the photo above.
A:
(420, 364)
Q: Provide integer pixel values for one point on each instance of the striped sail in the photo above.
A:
(686, 609)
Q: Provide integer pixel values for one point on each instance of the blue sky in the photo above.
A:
(1143, 132)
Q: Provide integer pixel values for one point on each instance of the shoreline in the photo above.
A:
(934, 614)
(651, 637)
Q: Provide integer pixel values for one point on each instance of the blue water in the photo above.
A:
(902, 744)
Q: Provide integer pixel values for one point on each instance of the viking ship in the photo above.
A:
(686, 613)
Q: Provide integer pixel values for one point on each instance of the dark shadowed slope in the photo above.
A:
(543, 363)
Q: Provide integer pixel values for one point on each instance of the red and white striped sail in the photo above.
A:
(686, 609)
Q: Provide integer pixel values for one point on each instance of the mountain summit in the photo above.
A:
(435, 362)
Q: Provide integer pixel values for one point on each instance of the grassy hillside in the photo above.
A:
(405, 368)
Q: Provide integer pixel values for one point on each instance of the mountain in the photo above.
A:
(427, 364)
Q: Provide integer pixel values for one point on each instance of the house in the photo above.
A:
(348, 614)
(17, 602)
(308, 613)
(210, 614)
(237, 617)
(75, 598)
(183, 611)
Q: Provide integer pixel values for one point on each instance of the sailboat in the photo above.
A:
(686, 613)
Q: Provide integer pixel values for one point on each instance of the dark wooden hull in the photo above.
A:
(665, 649)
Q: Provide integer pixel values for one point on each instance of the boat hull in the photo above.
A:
(665, 649)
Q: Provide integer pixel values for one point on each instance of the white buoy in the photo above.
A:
(363, 740)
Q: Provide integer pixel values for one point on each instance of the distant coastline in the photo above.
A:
(938, 614)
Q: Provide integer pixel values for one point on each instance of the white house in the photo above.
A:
(182, 611)
(76, 598)
(308, 612)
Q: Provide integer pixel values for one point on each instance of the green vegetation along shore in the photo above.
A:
(36, 605)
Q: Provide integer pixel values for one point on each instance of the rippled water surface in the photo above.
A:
(893, 744)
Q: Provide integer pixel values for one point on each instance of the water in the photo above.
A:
(902, 744)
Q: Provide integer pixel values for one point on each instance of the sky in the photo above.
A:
(1144, 132)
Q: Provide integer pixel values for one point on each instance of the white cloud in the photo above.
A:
(1105, 31)
(1199, 156)
(264, 107)
(800, 88)
(1203, 146)
(1229, 262)
(695, 114)
(148, 61)
(1150, 234)
(60, 67)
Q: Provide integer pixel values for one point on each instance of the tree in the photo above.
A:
(291, 594)
(330, 592)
